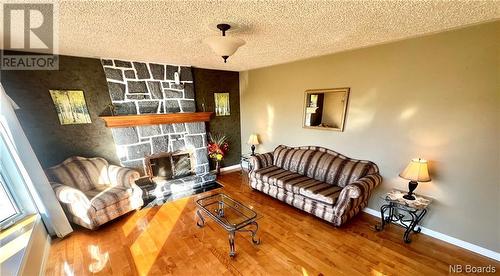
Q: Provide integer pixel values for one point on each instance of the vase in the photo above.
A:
(217, 167)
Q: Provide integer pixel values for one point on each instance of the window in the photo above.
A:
(9, 210)
(15, 199)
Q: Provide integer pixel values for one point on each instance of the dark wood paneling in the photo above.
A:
(51, 141)
(206, 83)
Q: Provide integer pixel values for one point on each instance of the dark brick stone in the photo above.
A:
(195, 128)
(173, 94)
(138, 97)
(114, 74)
(178, 145)
(168, 128)
(188, 106)
(188, 91)
(201, 156)
(175, 136)
(129, 74)
(186, 74)
(145, 131)
(125, 108)
(165, 84)
(124, 135)
(137, 87)
(172, 106)
(199, 169)
(142, 70)
(139, 151)
(107, 62)
(170, 70)
(196, 141)
(116, 91)
(157, 70)
(179, 86)
(136, 165)
(209, 177)
(121, 63)
(148, 107)
(155, 89)
(160, 143)
(179, 127)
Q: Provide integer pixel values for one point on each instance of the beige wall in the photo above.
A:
(435, 97)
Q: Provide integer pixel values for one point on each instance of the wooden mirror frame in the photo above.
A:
(345, 90)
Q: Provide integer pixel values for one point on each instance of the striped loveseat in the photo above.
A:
(92, 192)
(317, 180)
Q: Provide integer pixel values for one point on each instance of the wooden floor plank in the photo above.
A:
(165, 240)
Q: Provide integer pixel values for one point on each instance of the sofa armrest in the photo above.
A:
(71, 198)
(356, 194)
(261, 161)
(121, 176)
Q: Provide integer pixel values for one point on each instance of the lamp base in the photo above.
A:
(253, 150)
(409, 197)
(412, 185)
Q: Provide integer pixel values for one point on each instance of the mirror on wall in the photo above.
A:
(325, 108)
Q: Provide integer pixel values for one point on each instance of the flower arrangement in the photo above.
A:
(217, 148)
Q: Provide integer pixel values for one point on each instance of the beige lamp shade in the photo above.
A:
(416, 171)
(224, 45)
(253, 140)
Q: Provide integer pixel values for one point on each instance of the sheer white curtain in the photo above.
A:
(35, 180)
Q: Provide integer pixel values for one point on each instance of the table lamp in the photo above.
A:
(253, 140)
(416, 172)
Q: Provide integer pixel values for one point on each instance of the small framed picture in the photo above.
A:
(222, 107)
(70, 106)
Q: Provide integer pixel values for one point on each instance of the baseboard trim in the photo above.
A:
(440, 236)
(231, 168)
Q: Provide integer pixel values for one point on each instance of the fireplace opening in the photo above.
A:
(168, 165)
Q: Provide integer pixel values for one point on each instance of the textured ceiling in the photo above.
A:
(275, 31)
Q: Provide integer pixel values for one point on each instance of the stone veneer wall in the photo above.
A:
(142, 88)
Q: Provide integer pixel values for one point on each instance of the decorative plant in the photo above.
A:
(217, 148)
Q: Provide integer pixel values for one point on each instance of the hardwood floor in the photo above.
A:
(165, 240)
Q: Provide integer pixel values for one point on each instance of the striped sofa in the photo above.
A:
(92, 192)
(317, 180)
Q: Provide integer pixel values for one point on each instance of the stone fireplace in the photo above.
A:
(151, 88)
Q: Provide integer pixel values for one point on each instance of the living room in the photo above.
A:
(249, 137)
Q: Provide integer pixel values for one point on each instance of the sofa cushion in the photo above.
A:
(322, 164)
(271, 174)
(324, 192)
(102, 198)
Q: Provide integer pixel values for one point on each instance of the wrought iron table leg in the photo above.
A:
(409, 230)
(254, 233)
(232, 251)
(419, 218)
(198, 212)
(382, 218)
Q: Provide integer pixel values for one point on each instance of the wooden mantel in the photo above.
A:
(155, 119)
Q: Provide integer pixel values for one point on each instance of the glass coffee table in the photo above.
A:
(230, 214)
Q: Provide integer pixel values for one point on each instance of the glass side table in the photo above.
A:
(245, 158)
(403, 212)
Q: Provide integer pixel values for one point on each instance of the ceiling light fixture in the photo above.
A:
(223, 45)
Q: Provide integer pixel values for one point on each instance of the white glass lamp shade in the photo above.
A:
(224, 45)
(416, 171)
(253, 140)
